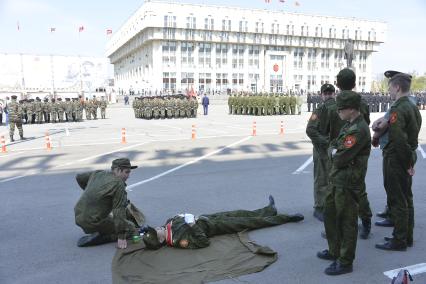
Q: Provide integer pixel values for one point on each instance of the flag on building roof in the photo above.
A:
(80, 29)
(108, 31)
(52, 30)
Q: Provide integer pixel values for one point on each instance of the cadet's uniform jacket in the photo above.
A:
(103, 194)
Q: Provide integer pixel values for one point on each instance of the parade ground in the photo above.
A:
(220, 166)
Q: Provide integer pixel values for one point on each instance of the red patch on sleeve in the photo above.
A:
(350, 141)
(313, 117)
(393, 117)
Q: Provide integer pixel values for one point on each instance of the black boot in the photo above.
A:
(384, 214)
(11, 138)
(94, 240)
(384, 223)
(22, 137)
(365, 228)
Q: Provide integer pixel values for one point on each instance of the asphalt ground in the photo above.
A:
(224, 168)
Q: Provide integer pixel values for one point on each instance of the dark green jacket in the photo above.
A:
(104, 194)
(349, 162)
(405, 122)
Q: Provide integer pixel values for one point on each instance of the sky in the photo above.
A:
(403, 50)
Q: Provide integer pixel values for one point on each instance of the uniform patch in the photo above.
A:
(350, 141)
(393, 117)
(313, 117)
(183, 243)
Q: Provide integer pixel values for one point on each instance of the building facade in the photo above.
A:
(174, 46)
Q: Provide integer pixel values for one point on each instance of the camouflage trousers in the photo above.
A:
(103, 113)
(12, 128)
(341, 222)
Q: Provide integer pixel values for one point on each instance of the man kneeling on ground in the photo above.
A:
(103, 210)
(188, 231)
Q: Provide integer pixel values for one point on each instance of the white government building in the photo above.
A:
(175, 46)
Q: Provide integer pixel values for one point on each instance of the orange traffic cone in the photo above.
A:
(282, 128)
(123, 135)
(48, 142)
(254, 128)
(193, 132)
(3, 145)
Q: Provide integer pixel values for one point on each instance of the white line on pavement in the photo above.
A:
(413, 269)
(302, 167)
(129, 188)
(421, 151)
(78, 161)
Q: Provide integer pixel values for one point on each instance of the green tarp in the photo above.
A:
(228, 256)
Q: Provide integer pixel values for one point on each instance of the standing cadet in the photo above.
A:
(190, 232)
(105, 193)
(68, 109)
(318, 131)
(53, 111)
(349, 159)
(15, 118)
(205, 102)
(38, 108)
(88, 109)
(299, 101)
(46, 110)
(94, 107)
(30, 111)
(103, 105)
(346, 80)
(399, 158)
(61, 109)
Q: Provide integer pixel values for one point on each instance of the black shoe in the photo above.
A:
(93, 240)
(325, 254)
(319, 215)
(389, 239)
(365, 229)
(384, 223)
(391, 246)
(384, 214)
(23, 138)
(296, 217)
(336, 268)
(272, 203)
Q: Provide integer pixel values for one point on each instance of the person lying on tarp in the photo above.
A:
(103, 210)
(188, 231)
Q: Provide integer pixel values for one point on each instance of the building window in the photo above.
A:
(169, 53)
(253, 56)
(237, 56)
(209, 23)
(187, 54)
(169, 81)
(204, 54)
(187, 79)
(221, 55)
(191, 22)
(169, 21)
(221, 81)
(298, 58)
(205, 81)
(226, 25)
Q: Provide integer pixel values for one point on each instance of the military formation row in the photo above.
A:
(35, 111)
(265, 104)
(377, 102)
(178, 106)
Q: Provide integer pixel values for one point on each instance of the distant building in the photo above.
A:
(174, 46)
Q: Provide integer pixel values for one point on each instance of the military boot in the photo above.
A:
(22, 137)
(365, 229)
(11, 138)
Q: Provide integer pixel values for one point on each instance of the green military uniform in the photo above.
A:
(94, 108)
(15, 119)
(38, 109)
(104, 193)
(196, 234)
(103, 105)
(349, 158)
(399, 155)
(318, 130)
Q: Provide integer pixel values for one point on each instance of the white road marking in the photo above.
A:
(77, 161)
(129, 188)
(421, 151)
(413, 269)
(302, 167)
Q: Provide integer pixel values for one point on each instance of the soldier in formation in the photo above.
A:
(15, 118)
(161, 107)
(265, 104)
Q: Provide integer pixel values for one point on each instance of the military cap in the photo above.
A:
(122, 163)
(390, 73)
(14, 97)
(59, 99)
(150, 239)
(348, 99)
(67, 99)
(346, 79)
(327, 88)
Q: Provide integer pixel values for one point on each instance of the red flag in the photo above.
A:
(17, 26)
(80, 29)
(297, 3)
(52, 30)
(108, 31)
